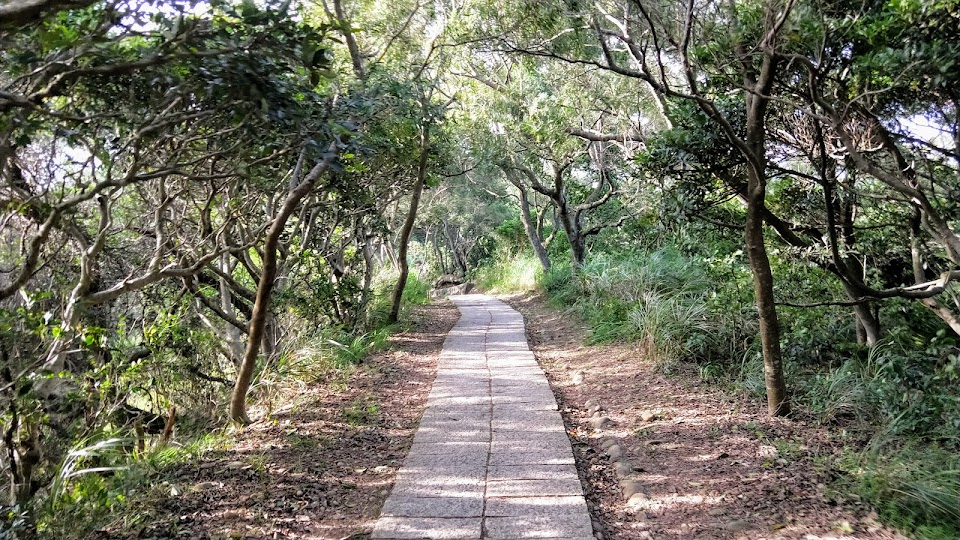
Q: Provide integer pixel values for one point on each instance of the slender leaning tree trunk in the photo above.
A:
(531, 229)
(407, 229)
(777, 400)
(268, 274)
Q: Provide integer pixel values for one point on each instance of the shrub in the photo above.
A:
(673, 327)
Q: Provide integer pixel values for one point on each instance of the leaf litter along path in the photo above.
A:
(325, 467)
(712, 466)
(319, 468)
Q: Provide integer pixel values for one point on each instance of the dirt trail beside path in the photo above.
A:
(708, 465)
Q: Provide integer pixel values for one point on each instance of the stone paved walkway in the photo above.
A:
(491, 458)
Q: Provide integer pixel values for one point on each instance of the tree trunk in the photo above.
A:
(868, 325)
(355, 57)
(407, 229)
(271, 333)
(754, 148)
(777, 400)
(232, 334)
(577, 242)
(946, 314)
(268, 273)
(531, 229)
(453, 241)
(391, 252)
(368, 267)
(578, 250)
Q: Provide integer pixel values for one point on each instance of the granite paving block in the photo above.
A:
(398, 505)
(463, 364)
(531, 472)
(510, 376)
(507, 413)
(452, 414)
(535, 506)
(425, 435)
(549, 457)
(460, 383)
(457, 390)
(534, 403)
(418, 486)
(404, 528)
(467, 352)
(544, 438)
(480, 419)
(442, 475)
(455, 425)
(456, 412)
(538, 526)
(499, 358)
(507, 385)
(450, 447)
(536, 444)
(531, 426)
(532, 488)
(522, 389)
(442, 399)
(503, 382)
(466, 459)
(500, 367)
(521, 411)
(535, 393)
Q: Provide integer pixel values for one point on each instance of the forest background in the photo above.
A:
(203, 200)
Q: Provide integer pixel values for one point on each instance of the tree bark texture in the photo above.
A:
(578, 244)
(777, 400)
(946, 314)
(758, 83)
(268, 273)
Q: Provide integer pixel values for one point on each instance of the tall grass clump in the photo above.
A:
(673, 327)
(916, 488)
(313, 354)
(902, 408)
(856, 391)
(656, 298)
(416, 292)
(509, 274)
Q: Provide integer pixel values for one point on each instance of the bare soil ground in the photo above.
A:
(320, 467)
(712, 466)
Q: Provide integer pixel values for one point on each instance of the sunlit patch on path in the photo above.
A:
(491, 458)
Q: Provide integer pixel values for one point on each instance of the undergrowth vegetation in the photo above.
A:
(654, 298)
(114, 466)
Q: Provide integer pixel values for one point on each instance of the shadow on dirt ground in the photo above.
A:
(708, 465)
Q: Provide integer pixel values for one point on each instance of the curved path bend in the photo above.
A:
(491, 458)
